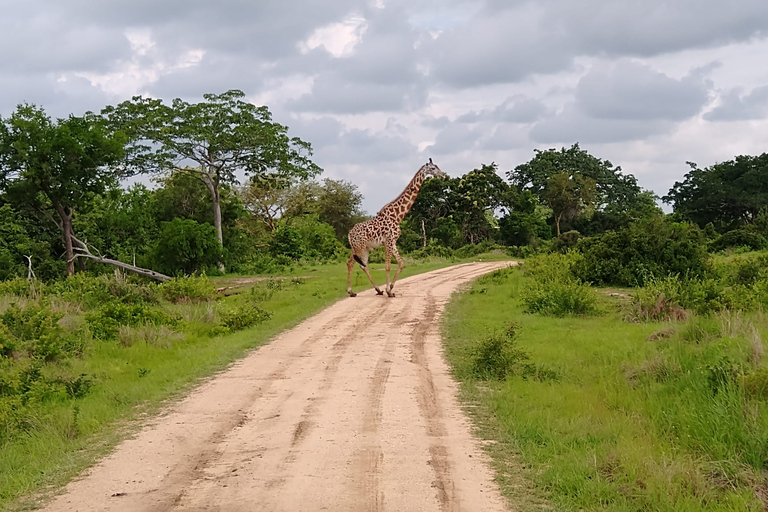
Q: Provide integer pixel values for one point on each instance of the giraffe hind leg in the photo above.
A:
(400, 265)
(350, 266)
(363, 261)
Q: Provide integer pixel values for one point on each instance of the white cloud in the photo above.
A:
(339, 39)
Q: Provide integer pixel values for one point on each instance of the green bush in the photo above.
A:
(35, 331)
(560, 298)
(185, 246)
(243, 317)
(498, 357)
(106, 321)
(652, 247)
(19, 287)
(287, 242)
(8, 342)
(745, 236)
(318, 239)
(553, 290)
(188, 289)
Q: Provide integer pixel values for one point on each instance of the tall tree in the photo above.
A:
(56, 165)
(214, 140)
(728, 194)
(611, 185)
(568, 196)
(475, 198)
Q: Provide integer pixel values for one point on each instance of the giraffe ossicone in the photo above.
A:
(384, 229)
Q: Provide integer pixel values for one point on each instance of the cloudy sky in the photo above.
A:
(378, 87)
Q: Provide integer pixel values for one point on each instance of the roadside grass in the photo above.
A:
(663, 416)
(117, 383)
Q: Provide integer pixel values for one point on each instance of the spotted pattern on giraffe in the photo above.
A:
(384, 229)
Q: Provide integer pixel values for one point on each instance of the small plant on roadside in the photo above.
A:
(106, 321)
(560, 298)
(498, 357)
(244, 317)
(188, 289)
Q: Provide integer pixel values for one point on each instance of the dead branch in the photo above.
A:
(82, 251)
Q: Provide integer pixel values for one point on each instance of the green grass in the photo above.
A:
(629, 424)
(136, 374)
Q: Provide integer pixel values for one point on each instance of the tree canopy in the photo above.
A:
(215, 140)
(55, 166)
(727, 194)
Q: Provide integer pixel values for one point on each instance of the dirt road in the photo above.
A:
(352, 410)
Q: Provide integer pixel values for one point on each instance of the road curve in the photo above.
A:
(352, 410)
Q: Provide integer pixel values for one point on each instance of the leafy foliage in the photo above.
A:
(185, 245)
(727, 194)
(650, 247)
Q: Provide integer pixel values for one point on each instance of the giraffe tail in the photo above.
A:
(357, 259)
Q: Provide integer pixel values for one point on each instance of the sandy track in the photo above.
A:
(352, 410)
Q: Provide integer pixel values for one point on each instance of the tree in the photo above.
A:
(222, 136)
(568, 196)
(55, 166)
(123, 224)
(611, 186)
(727, 194)
(525, 221)
(476, 197)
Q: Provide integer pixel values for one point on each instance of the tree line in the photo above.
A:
(235, 192)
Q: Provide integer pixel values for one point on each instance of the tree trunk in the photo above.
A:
(213, 187)
(557, 223)
(423, 234)
(65, 214)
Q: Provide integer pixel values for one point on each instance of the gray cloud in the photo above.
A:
(333, 94)
(454, 138)
(504, 47)
(737, 107)
(628, 90)
(653, 27)
(573, 125)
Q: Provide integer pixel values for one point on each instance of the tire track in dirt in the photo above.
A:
(352, 410)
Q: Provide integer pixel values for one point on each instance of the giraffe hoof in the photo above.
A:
(351, 294)
(379, 292)
(391, 294)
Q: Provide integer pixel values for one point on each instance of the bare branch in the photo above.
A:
(84, 252)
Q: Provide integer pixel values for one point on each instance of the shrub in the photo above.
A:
(7, 342)
(287, 242)
(560, 298)
(90, 291)
(188, 289)
(318, 239)
(244, 317)
(651, 247)
(185, 246)
(36, 331)
(19, 287)
(106, 321)
(566, 241)
(745, 236)
(497, 357)
(554, 291)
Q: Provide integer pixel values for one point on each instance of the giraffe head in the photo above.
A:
(430, 169)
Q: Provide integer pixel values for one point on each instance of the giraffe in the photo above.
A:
(384, 229)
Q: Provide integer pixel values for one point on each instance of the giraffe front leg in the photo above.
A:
(400, 265)
(387, 267)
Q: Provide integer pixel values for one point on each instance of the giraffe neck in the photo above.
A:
(402, 204)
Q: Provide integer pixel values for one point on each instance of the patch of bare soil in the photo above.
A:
(352, 410)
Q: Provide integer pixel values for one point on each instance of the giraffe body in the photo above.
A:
(384, 229)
